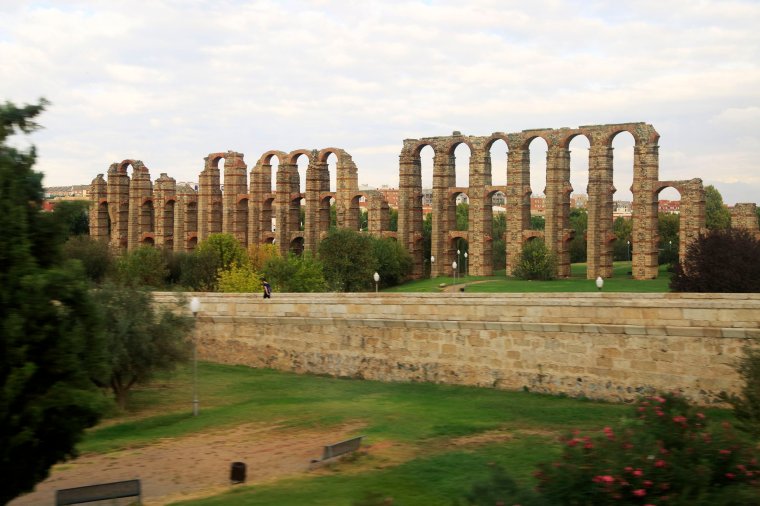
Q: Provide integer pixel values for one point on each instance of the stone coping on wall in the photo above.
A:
(712, 314)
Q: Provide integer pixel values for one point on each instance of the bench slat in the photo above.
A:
(102, 491)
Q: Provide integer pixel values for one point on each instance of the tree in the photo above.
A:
(74, 217)
(579, 223)
(95, 256)
(259, 255)
(537, 262)
(226, 248)
(463, 216)
(393, 219)
(499, 247)
(717, 215)
(723, 260)
(51, 340)
(144, 266)
(667, 228)
(622, 227)
(394, 263)
(348, 260)
(294, 273)
(239, 279)
(537, 222)
(142, 339)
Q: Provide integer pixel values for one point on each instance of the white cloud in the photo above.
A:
(169, 82)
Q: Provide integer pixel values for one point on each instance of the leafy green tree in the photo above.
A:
(197, 270)
(747, 404)
(723, 260)
(717, 215)
(259, 255)
(623, 228)
(537, 222)
(427, 237)
(95, 256)
(499, 247)
(238, 279)
(144, 266)
(463, 216)
(363, 220)
(74, 216)
(51, 340)
(394, 263)
(295, 273)
(579, 223)
(667, 228)
(537, 262)
(393, 219)
(348, 260)
(142, 339)
(226, 248)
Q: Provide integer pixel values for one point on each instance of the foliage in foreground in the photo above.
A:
(723, 260)
(747, 405)
(141, 338)
(51, 347)
(666, 455)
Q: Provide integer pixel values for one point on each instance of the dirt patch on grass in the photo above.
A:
(194, 466)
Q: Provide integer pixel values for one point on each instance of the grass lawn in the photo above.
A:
(621, 281)
(423, 418)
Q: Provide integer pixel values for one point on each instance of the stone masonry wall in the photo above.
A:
(600, 345)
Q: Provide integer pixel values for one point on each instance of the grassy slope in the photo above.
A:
(422, 417)
(620, 282)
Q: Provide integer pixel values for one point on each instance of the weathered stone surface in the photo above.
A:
(615, 355)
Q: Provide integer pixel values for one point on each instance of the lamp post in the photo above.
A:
(376, 277)
(195, 306)
(599, 283)
(465, 264)
(454, 266)
(432, 262)
(629, 250)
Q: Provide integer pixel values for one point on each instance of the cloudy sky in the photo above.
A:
(169, 81)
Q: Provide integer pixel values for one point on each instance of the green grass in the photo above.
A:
(620, 281)
(421, 417)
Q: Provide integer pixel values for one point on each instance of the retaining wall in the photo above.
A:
(601, 345)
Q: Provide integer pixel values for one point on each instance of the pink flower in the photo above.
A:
(648, 483)
(725, 452)
(588, 445)
(679, 419)
(661, 400)
(659, 463)
(701, 416)
(640, 492)
(606, 478)
(638, 472)
(573, 442)
(730, 476)
(628, 469)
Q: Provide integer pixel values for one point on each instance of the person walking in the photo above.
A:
(267, 290)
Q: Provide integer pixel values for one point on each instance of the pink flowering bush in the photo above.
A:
(665, 455)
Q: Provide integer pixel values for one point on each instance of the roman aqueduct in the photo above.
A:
(129, 211)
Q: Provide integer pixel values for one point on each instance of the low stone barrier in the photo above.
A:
(601, 345)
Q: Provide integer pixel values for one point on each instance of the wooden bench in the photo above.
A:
(338, 449)
(101, 492)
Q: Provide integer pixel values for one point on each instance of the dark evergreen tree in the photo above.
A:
(723, 260)
(51, 339)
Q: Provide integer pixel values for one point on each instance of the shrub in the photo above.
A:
(259, 254)
(295, 274)
(723, 260)
(667, 455)
(96, 257)
(198, 270)
(144, 266)
(238, 279)
(394, 263)
(348, 260)
(747, 405)
(537, 262)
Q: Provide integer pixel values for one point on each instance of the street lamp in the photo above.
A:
(454, 266)
(376, 277)
(432, 261)
(195, 306)
(629, 250)
(465, 264)
(599, 283)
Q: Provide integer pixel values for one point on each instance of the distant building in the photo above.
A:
(669, 206)
(579, 201)
(537, 205)
(622, 208)
(498, 199)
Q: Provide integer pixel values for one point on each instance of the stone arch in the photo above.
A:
(692, 213)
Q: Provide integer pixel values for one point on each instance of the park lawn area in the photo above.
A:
(425, 419)
(620, 281)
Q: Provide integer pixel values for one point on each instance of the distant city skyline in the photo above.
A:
(168, 82)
